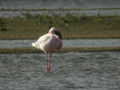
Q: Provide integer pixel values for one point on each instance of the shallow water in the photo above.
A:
(38, 4)
(60, 4)
(66, 43)
(69, 71)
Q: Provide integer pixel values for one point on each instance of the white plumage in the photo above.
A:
(48, 43)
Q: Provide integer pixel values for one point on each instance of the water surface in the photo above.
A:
(38, 4)
(112, 5)
(69, 71)
(66, 43)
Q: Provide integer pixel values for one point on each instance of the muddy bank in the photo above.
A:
(33, 26)
(63, 50)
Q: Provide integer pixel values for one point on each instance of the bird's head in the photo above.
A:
(54, 31)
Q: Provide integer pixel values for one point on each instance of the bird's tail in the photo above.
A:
(33, 44)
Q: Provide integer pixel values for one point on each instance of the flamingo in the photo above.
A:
(49, 43)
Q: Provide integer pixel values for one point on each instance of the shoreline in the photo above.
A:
(63, 50)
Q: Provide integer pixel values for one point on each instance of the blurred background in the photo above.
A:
(86, 7)
(56, 4)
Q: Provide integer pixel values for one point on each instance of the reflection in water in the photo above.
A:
(69, 71)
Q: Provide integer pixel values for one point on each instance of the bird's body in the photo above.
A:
(49, 43)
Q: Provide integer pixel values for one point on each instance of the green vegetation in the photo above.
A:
(2, 26)
(71, 27)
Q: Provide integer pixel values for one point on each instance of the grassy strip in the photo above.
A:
(71, 27)
(33, 50)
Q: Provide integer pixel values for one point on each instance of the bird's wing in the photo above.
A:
(58, 43)
(43, 38)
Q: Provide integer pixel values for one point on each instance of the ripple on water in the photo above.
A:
(73, 70)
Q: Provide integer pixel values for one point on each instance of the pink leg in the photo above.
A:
(48, 63)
